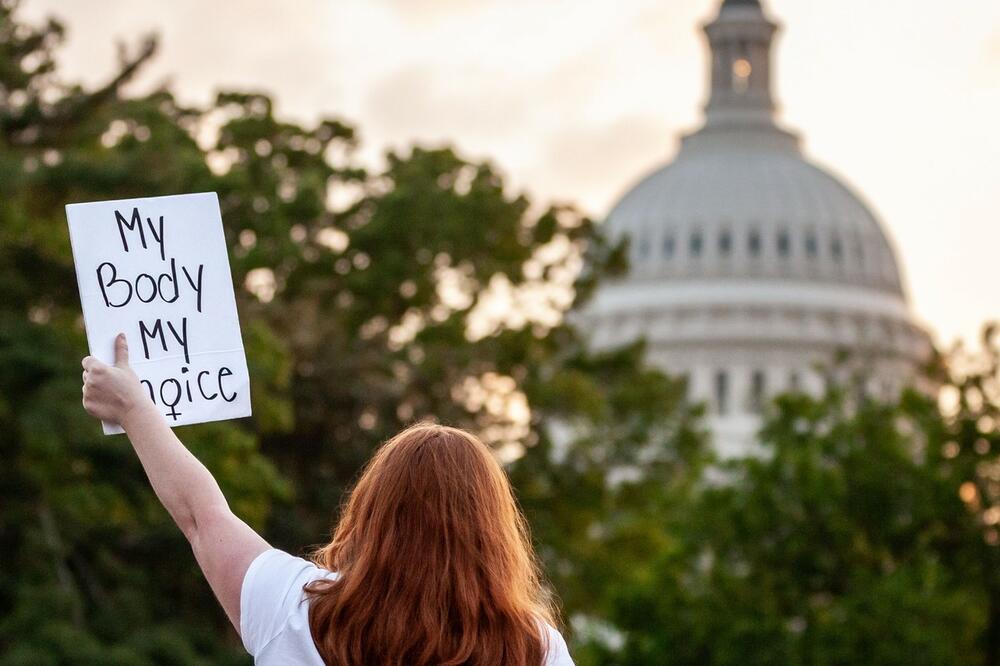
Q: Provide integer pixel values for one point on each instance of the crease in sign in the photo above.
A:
(174, 357)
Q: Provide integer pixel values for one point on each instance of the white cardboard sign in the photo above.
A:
(157, 269)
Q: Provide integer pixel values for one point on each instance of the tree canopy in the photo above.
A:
(867, 534)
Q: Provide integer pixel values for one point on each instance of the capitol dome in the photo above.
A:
(752, 269)
(752, 211)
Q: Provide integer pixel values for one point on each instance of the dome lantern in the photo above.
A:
(740, 41)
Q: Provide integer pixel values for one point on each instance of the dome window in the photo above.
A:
(794, 381)
(668, 247)
(753, 244)
(784, 244)
(812, 248)
(758, 387)
(725, 243)
(696, 244)
(836, 249)
(643, 248)
(741, 74)
(721, 392)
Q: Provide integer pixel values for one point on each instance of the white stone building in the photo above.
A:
(751, 267)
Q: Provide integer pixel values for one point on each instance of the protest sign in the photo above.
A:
(157, 269)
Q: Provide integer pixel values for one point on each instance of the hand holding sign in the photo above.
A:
(158, 269)
(110, 392)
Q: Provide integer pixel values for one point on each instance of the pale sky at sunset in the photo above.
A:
(575, 99)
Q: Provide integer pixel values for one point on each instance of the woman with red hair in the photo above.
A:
(430, 562)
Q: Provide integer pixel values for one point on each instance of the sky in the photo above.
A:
(574, 100)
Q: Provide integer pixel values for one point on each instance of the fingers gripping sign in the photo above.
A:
(121, 351)
(111, 391)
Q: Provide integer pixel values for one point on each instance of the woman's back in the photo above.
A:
(433, 561)
(274, 620)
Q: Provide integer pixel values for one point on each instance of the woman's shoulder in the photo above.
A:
(277, 564)
(272, 595)
(556, 654)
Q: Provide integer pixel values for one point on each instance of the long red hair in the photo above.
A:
(435, 562)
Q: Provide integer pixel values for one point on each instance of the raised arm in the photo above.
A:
(223, 545)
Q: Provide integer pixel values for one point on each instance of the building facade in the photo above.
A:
(752, 269)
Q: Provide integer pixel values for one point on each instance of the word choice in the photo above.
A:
(206, 384)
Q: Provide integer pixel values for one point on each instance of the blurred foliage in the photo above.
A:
(92, 567)
(369, 300)
(426, 289)
(868, 534)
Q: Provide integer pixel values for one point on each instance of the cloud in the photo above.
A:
(602, 161)
(429, 10)
(425, 102)
(993, 48)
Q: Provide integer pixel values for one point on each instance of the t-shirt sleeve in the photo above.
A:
(558, 653)
(271, 594)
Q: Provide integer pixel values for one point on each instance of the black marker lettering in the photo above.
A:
(114, 279)
(173, 413)
(181, 337)
(172, 276)
(135, 224)
(146, 334)
(152, 287)
(202, 388)
(225, 372)
(196, 287)
(158, 237)
(187, 384)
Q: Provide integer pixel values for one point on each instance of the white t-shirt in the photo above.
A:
(274, 613)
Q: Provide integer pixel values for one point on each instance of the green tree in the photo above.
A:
(868, 534)
(92, 569)
(368, 300)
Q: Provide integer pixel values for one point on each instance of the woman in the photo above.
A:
(429, 564)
